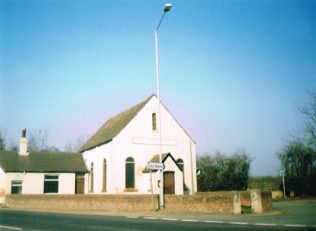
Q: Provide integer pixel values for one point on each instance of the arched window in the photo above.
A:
(104, 176)
(91, 177)
(154, 121)
(180, 163)
(129, 173)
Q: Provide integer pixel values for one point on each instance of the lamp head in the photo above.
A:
(167, 7)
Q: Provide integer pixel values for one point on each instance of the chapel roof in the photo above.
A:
(113, 126)
(156, 159)
(42, 161)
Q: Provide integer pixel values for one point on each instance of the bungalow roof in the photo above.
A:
(42, 162)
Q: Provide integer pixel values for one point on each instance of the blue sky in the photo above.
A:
(231, 72)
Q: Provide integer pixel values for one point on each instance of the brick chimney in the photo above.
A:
(23, 144)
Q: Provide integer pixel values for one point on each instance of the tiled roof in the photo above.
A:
(113, 126)
(156, 158)
(42, 162)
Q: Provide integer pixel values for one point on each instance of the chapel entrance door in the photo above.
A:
(168, 179)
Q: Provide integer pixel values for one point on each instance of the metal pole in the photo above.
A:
(152, 191)
(284, 188)
(161, 199)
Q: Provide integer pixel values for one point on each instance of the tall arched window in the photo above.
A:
(154, 121)
(104, 176)
(91, 177)
(129, 173)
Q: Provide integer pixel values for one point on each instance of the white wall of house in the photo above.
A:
(2, 186)
(178, 175)
(33, 183)
(67, 183)
(2, 179)
(139, 141)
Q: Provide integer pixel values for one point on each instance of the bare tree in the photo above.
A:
(2, 142)
(74, 145)
(37, 141)
(309, 111)
(13, 147)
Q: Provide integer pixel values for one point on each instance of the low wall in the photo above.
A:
(277, 194)
(245, 198)
(210, 202)
(2, 195)
(82, 202)
(266, 200)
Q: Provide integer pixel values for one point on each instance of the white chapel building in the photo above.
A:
(118, 153)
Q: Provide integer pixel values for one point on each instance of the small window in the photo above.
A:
(104, 176)
(154, 121)
(129, 173)
(180, 164)
(51, 184)
(91, 177)
(16, 187)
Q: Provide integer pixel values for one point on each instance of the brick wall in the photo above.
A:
(210, 202)
(266, 200)
(245, 198)
(82, 202)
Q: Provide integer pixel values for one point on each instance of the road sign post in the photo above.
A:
(282, 174)
(154, 167)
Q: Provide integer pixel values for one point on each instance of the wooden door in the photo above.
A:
(79, 184)
(168, 179)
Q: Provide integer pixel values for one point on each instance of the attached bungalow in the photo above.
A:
(41, 172)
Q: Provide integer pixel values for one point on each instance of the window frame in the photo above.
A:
(154, 122)
(129, 173)
(51, 183)
(17, 184)
(104, 175)
(91, 177)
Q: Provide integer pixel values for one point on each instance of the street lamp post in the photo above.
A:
(167, 7)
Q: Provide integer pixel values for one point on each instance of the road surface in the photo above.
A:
(47, 221)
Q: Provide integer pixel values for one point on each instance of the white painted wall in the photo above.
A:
(33, 183)
(139, 141)
(67, 183)
(2, 179)
(2, 186)
(178, 176)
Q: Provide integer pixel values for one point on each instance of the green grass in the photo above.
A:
(246, 209)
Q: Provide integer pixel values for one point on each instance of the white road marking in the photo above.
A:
(169, 219)
(265, 224)
(188, 220)
(293, 225)
(217, 222)
(238, 223)
(150, 218)
(10, 227)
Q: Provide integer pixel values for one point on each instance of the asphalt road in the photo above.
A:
(24, 220)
